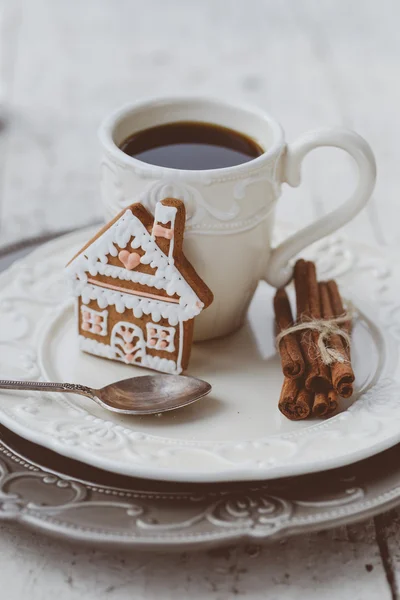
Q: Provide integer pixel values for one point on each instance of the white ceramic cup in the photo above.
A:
(230, 211)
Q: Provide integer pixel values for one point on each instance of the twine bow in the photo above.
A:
(326, 329)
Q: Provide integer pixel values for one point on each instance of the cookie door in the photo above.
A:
(128, 342)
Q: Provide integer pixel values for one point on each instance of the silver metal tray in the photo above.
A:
(62, 497)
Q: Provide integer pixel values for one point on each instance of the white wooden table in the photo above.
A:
(64, 65)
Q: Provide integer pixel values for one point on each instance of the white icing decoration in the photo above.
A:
(161, 364)
(167, 277)
(165, 214)
(140, 305)
(159, 329)
(181, 338)
(95, 347)
(152, 362)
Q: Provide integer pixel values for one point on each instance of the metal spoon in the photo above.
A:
(146, 395)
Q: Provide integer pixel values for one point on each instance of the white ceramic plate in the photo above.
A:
(236, 433)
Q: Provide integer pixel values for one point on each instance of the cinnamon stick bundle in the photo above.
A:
(315, 359)
(318, 376)
(342, 372)
(295, 401)
(289, 348)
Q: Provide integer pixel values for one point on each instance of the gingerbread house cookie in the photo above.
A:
(137, 294)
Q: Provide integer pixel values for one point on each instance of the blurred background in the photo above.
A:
(66, 64)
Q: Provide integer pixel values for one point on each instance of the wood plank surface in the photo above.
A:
(343, 563)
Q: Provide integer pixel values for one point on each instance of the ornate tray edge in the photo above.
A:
(251, 515)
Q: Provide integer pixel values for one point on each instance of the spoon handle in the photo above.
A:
(45, 386)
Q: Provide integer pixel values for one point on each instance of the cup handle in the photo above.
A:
(279, 271)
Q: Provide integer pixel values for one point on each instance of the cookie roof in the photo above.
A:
(131, 229)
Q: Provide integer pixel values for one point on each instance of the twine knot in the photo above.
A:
(326, 329)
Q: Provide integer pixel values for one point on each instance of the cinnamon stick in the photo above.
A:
(325, 403)
(289, 348)
(318, 377)
(342, 373)
(333, 402)
(321, 404)
(337, 305)
(295, 401)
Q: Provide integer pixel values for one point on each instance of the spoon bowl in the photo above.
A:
(150, 394)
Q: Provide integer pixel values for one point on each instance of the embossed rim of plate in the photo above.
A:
(379, 407)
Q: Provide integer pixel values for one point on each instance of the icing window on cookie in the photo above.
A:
(94, 321)
(160, 337)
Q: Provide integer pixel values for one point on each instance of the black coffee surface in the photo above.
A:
(191, 145)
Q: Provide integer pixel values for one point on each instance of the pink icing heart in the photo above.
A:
(130, 260)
